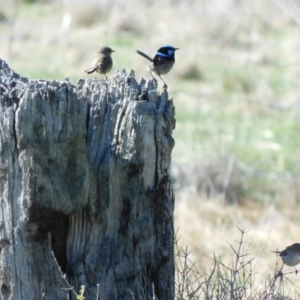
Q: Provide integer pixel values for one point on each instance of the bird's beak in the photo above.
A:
(113, 50)
(176, 48)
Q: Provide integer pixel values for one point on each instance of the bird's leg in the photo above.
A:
(153, 76)
(296, 271)
(106, 81)
(165, 86)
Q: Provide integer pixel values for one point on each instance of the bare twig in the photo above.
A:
(63, 276)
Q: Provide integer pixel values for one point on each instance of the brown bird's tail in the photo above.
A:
(144, 55)
(91, 70)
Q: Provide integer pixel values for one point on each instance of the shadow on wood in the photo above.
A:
(84, 172)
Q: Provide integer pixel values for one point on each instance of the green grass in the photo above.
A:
(238, 97)
(242, 130)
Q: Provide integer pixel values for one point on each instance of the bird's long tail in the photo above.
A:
(144, 55)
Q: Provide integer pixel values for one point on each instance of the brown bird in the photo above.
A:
(102, 62)
(290, 255)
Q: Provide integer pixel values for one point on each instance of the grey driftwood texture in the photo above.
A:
(84, 173)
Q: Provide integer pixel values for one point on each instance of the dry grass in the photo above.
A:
(208, 225)
(236, 278)
(88, 14)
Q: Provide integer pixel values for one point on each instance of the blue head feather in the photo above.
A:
(166, 51)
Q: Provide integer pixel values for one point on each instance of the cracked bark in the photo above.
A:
(84, 172)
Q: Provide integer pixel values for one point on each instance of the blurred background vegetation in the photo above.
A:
(236, 90)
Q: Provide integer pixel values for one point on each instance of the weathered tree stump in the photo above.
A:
(84, 173)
